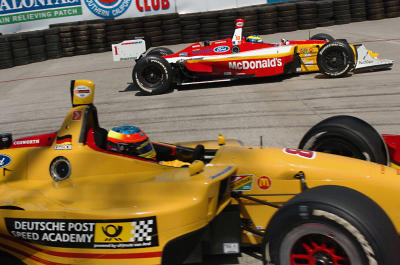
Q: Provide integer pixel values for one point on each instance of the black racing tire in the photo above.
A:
(322, 36)
(336, 58)
(152, 74)
(346, 136)
(160, 51)
(331, 225)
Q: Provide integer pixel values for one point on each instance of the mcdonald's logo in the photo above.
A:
(264, 182)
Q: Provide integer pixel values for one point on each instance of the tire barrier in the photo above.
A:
(92, 36)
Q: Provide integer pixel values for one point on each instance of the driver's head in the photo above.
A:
(254, 39)
(130, 140)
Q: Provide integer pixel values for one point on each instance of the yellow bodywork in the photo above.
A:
(113, 209)
(308, 56)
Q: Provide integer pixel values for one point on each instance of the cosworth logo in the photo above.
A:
(256, 64)
(108, 8)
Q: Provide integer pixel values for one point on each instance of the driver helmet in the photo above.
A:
(130, 140)
(254, 39)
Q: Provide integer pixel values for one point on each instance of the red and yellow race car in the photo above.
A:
(158, 70)
(76, 197)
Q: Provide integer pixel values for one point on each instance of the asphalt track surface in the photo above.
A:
(35, 98)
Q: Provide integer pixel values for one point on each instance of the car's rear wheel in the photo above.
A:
(152, 75)
(336, 58)
(346, 136)
(160, 51)
(331, 225)
(322, 36)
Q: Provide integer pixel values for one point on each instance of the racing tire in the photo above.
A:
(346, 136)
(322, 36)
(152, 74)
(336, 58)
(331, 225)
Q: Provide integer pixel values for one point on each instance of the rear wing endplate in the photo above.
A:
(128, 50)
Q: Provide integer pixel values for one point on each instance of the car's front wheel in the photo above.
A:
(336, 58)
(331, 225)
(152, 75)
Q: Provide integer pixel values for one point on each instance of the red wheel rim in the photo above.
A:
(317, 249)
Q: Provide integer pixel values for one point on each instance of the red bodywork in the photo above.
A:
(254, 59)
(393, 144)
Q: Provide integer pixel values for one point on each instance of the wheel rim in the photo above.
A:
(318, 244)
(319, 250)
(340, 147)
(152, 75)
(335, 60)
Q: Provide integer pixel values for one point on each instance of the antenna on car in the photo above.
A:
(261, 142)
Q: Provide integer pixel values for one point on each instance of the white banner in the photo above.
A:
(193, 6)
(24, 15)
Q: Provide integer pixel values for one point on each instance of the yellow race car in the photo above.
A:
(67, 198)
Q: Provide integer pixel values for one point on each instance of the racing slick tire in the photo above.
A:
(331, 225)
(346, 136)
(322, 36)
(152, 75)
(336, 58)
(160, 51)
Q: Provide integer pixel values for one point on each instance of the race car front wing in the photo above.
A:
(367, 60)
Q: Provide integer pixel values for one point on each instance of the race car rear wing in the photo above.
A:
(128, 50)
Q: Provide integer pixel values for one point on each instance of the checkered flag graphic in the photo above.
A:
(142, 231)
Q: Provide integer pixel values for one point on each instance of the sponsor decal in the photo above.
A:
(221, 173)
(183, 54)
(82, 91)
(308, 50)
(26, 142)
(255, 64)
(132, 42)
(196, 52)
(306, 62)
(230, 248)
(63, 142)
(77, 115)
(16, 11)
(127, 233)
(264, 182)
(221, 49)
(153, 5)
(108, 8)
(5, 160)
(242, 182)
(301, 153)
